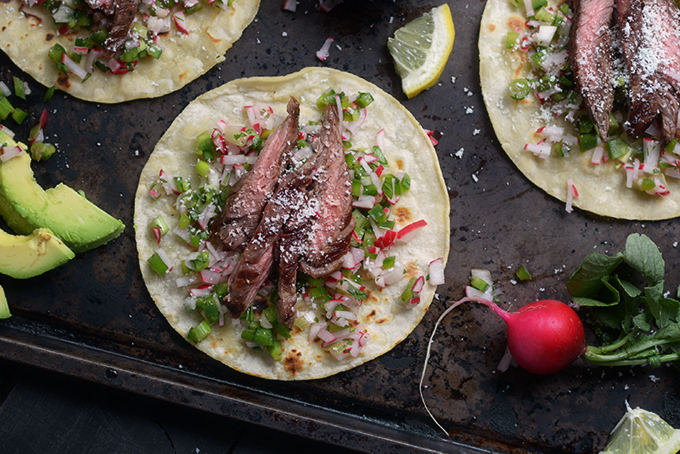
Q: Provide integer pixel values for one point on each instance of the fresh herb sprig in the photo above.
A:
(646, 321)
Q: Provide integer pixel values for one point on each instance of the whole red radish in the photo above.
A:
(544, 337)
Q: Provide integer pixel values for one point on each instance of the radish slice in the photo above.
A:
(407, 233)
(10, 152)
(180, 19)
(323, 53)
(436, 271)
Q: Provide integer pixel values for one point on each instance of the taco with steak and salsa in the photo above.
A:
(293, 227)
(111, 51)
(583, 97)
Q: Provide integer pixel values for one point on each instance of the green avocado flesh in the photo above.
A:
(4, 308)
(22, 257)
(25, 206)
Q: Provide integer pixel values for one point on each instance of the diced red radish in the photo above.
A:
(156, 234)
(436, 272)
(597, 155)
(74, 67)
(323, 53)
(545, 34)
(180, 22)
(652, 152)
(407, 233)
(571, 194)
(10, 152)
(202, 290)
(419, 284)
(211, 277)
(364, 201)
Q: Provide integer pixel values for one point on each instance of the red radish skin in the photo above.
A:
(544, 337)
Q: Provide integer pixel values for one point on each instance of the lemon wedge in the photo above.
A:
(641, 431)
(421, 48)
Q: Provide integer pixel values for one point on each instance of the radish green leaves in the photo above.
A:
(640, 324)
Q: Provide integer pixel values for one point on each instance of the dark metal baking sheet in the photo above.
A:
(92, 318)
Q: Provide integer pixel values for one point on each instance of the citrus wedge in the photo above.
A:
(641, 431)
(421, 48)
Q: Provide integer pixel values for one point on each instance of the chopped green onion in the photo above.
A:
(199, 332)
(264, 336)
(337, 348)
(407, 294)
(160, 223)
(585, 124)
(364, 99)
(619, 149)
(275, 350)
(377, 152)
(6, 108)
(56, 52)
(203, 168)
(544, 15)
(389, 262)
(184, 220)
(538, 4)
(99, 36)
(19, 88)
(19, 115)
(587, 141)
(282, 330)
(613, 125)
(405, 183)
(49, 93)
(42, 151)
(157, 264)
(522, 273)
(270, 314)
(205, 146)
(560, 148)
(519, 89)
(479, 283)
(377, 213)
(511, 40)
(324, 99)
(202, 261)
(210, 309)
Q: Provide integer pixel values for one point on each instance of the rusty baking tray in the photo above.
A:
(92, 318)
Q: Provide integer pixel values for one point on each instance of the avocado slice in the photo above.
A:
(25, 206)
(4, 308)
(26, 256)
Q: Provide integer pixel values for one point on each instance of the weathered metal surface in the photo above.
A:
(93, 318)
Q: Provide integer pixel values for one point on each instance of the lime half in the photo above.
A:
(643, 432)
(421, 48)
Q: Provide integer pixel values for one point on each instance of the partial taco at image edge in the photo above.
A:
(110, 51)
(552, 84)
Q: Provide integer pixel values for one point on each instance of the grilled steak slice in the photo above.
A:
(124, 14)
(240, 216)
(329, 235)
(651, 49)
(257, 259)
(106, 6)
(293, 245)
(590, 57)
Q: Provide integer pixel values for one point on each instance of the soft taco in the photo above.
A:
(110, 51)
(583, 100)
(285, 240)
